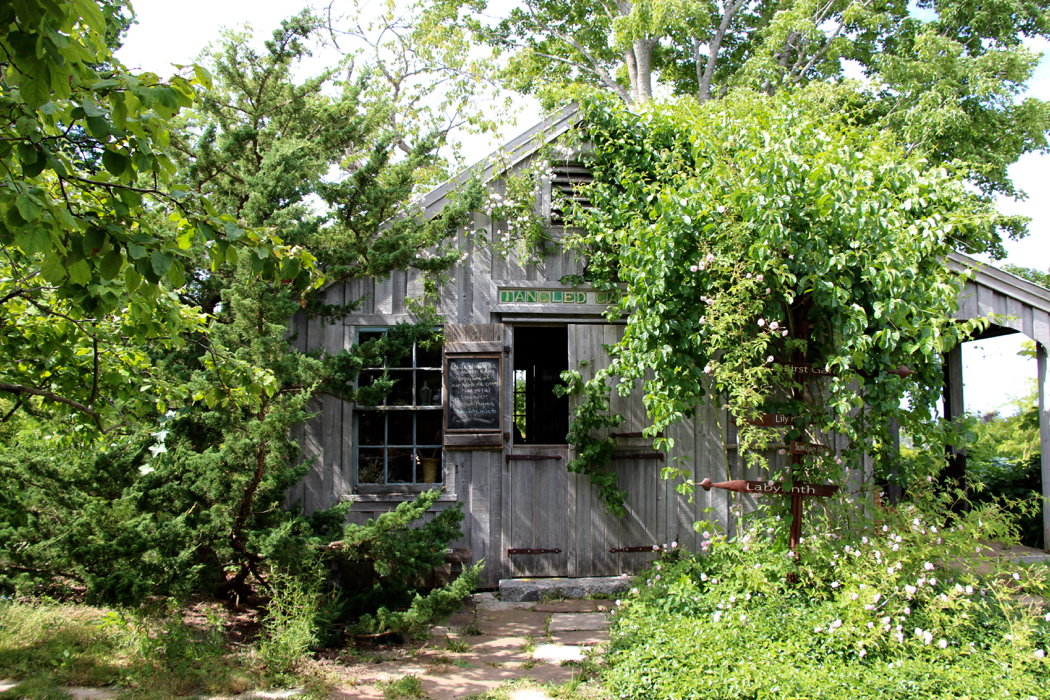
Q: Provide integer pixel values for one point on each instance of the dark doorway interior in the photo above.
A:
(540, 356)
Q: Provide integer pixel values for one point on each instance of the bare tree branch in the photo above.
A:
(18, 405)
(797, 74)
(597, 68)
(21, 390)
(713, 48)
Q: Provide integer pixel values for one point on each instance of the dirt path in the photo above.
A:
(494, 649)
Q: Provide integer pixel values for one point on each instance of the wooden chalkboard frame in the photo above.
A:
(472, 437)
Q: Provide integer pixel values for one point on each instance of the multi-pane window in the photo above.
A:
(399, 441)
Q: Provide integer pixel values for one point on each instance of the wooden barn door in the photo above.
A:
(474, 453)
(536, 512)
(604, 544)
(536, 516)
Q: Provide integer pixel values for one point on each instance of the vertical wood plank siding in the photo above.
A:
(538, 503)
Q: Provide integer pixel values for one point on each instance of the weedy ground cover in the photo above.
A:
(894, 609)
(47, 645)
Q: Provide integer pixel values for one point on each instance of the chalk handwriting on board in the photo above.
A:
(473, 393)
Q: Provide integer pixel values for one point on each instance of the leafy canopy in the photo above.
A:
(757, 231)
(93, 223)
(947, 76)
(193, 501)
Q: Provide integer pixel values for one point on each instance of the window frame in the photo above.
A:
(405, 488)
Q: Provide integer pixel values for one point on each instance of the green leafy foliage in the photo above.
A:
(93, 220)
(48, 645)
(148, 518)
(264, 143)
(893, 608)
(946, 76)
(291, 626)
(426, 65)
(755, 232)
(1038, 276)
(191, 499)
(1003, 462)
(384, 561)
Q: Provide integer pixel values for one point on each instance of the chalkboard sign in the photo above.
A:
(473, 393)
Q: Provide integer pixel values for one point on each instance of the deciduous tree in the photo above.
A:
(93, 224)
(945, 75)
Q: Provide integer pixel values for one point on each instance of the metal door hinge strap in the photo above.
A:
(534, 551)
(643, 548)
(638, 434)
(638, 455)
(532, 458)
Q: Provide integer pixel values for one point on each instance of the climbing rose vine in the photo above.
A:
(757, 232)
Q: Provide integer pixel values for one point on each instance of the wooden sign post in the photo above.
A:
(797, 492)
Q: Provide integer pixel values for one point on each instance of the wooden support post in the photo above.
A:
(796, 522)
(954, 407)
(893, 490)
(1044, 438)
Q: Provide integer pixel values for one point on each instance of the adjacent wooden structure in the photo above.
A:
(1015, 305)
(526, 515)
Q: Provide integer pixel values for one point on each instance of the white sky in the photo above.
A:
(169, 32)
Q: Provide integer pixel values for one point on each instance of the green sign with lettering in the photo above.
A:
(548, 296)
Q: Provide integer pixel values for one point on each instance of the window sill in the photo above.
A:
(395, 497)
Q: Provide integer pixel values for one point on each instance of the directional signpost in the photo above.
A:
(796, 448)
(771, 420)
(798, 491)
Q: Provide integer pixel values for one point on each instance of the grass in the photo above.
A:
(456, 646)
(471, 629)
(48, 645)
(590, 667)
(404, 687)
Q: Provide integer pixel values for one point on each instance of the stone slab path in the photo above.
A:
(523, 645)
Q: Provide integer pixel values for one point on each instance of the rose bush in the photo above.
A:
(906, 606)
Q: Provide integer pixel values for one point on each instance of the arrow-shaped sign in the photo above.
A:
(760, 488)
(798, 491)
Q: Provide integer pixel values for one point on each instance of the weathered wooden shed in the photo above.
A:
(480, 418)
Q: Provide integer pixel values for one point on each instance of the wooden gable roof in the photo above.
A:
(506, 158)
(1024, 305)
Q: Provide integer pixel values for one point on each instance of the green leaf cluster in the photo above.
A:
(755, 232)
(268, 181)
(897, 608)
(1003, 461)
(93, 220)
(948, 76)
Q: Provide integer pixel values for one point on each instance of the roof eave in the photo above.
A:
(514, 152)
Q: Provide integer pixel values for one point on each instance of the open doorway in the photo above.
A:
(541, 354)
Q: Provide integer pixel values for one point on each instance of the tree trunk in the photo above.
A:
(632, 72)
(642, 85)
(704, 75)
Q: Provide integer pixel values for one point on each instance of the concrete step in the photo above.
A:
(513, 590)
